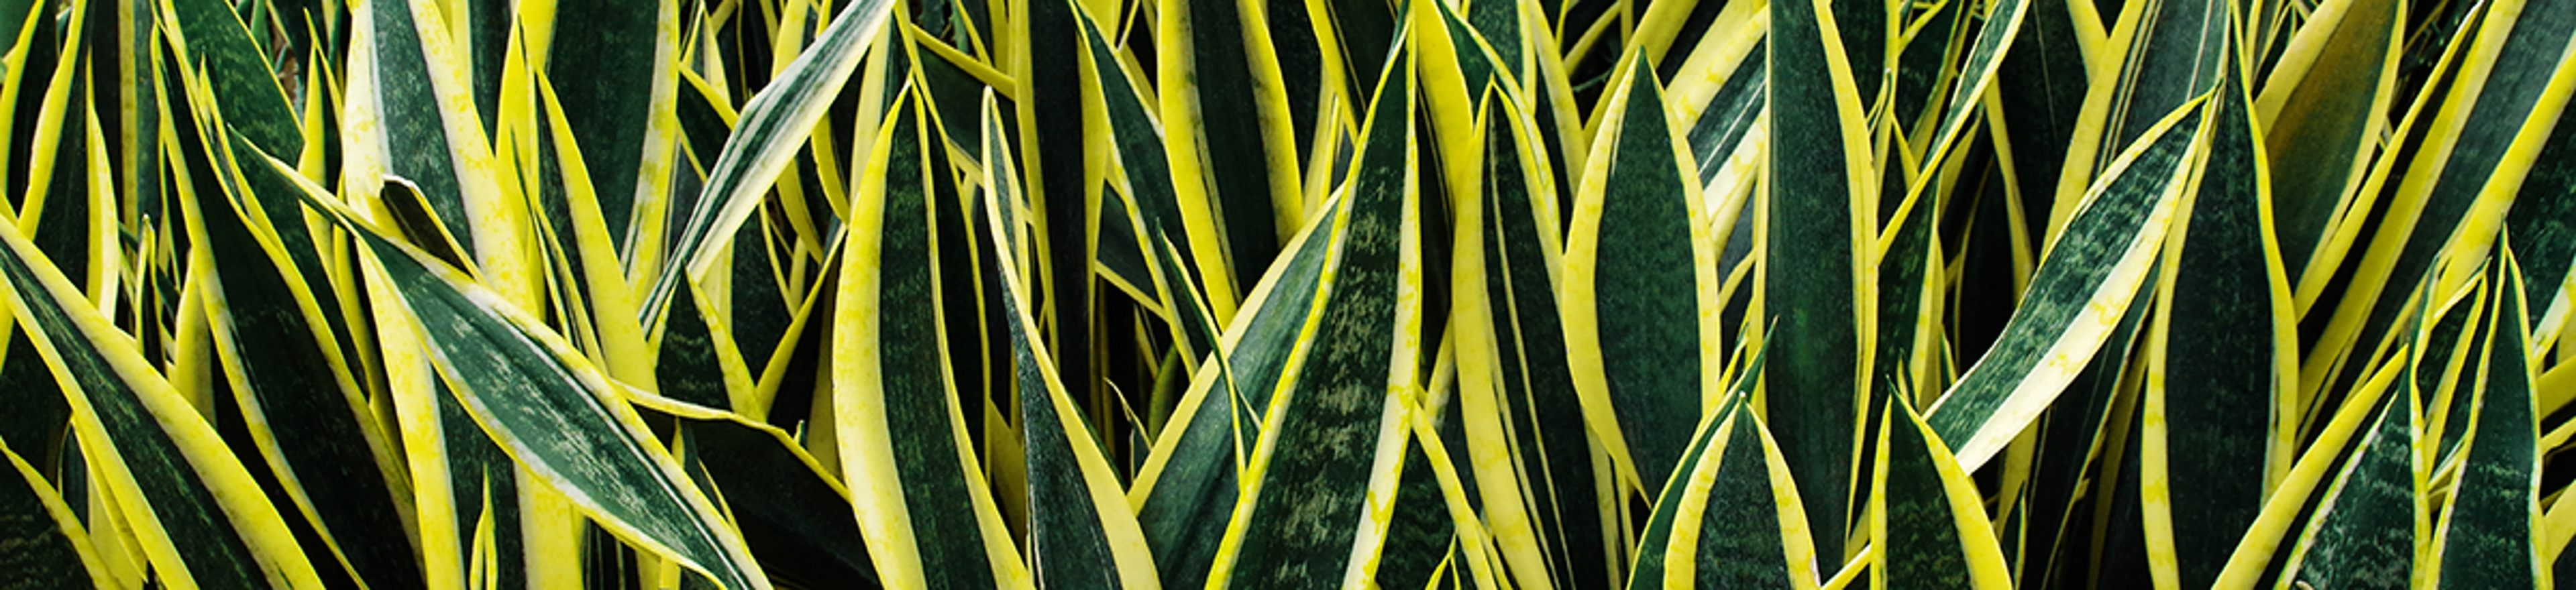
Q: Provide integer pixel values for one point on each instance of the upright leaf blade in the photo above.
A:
(900, 434)
(1327, 441)
(1927, 521)
(2220, 403)
(1817, 220)
(1636, 271)
(2488, 536)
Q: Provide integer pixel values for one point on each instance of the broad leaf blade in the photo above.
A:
(1817, 223)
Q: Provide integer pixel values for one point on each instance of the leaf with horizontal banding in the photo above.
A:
(1927, 521)
(2366, 525)
(2075, 297)
(2288, 505)
(244, 84)
(2222, 355)
(1816, 221)
(1190, 479)
(1325, 437)
(580, 441)
(1642, 349)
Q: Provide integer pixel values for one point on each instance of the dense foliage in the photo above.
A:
(1286, 294)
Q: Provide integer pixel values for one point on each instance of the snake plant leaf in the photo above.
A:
(781, 496)
(1730, 516)
(2537, 227)
(591, 276)
(1432, 526)
(1516, 391)
(1906, 342)
(453, 465)
(2333, 450)
(1637, 268)
(1816, 221)
(2366, 524)
(2321, 108)
(587, 444)
(784, 504)
(48, 546)
(194, 507)
(772, 127)
(1212, 69)
(2040, 87)
(2365, 528)
(128, 100)
(919, 497)
(971, 318)
(1082, 532)
(2488, 534)
(1254, 293)
(1190, 480)
(1052, 162)
(2216, 421)
(1928, 523)
(1995, 40)
(1730, 113)
(2070, 432)
(209, 32)
(551, 410)
(56, 170)
(1326, 440)
(618, 58)
(308, 415)
(431, 134)
(2438, 186)
(1929, 38)
(1158, 209)
(2177, 50)
(2362, 531)
(2074, 299)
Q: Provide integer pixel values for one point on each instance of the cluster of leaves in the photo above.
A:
(1285, 294)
